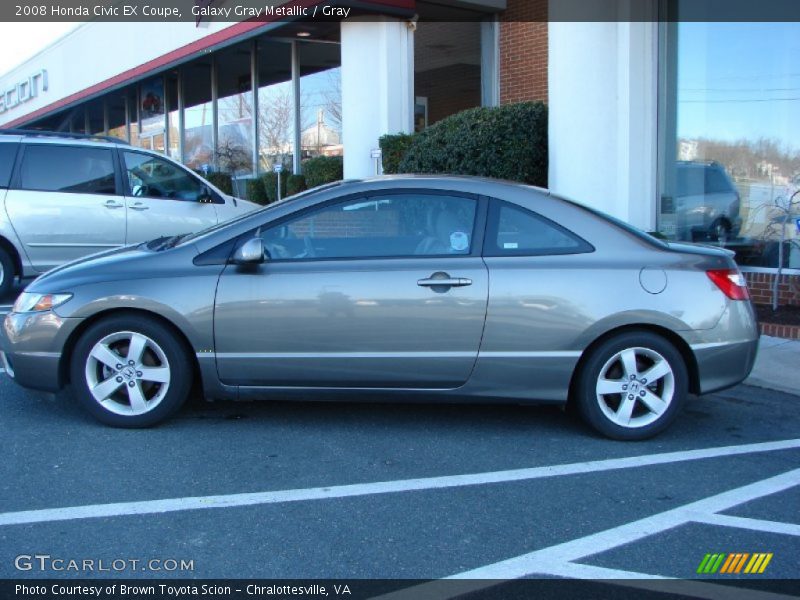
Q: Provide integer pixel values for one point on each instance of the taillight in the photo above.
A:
(731, 282)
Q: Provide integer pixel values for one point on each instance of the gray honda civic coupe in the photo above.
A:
(408, 288)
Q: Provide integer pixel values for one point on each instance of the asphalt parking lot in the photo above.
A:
(360, 491)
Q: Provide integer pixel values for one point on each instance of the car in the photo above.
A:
(64, 196)
(411, 288)
(706, 203)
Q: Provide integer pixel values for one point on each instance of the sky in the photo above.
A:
(20, 41)
(739, 80)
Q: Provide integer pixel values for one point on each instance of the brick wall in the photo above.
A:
(523, 51)
(760, 285)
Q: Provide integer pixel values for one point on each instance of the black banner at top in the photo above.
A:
(234, 11)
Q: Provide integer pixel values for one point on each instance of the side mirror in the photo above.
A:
(205, 196)
(250, 253)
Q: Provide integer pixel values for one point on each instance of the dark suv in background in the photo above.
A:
(705, 202)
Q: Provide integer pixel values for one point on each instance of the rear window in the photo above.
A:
(73, 169)
(696, 180)
(8, 152)
(515, 231)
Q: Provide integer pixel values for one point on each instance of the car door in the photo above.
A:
(64, 202)
(163, 198)
(382, 290)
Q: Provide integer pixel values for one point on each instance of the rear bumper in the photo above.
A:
(723, 366)
(31, 346)
(725, 355)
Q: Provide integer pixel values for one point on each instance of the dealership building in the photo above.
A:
(688, 128)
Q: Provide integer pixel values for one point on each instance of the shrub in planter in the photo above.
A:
(323, 169)
(221, 180)
(393, 150)
(506, 142)
(270, 183)
(295, 184)
(256, 192)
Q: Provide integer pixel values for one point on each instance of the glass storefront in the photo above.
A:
(275, 105)
(320, 100)
(235, 111)
(730, 139)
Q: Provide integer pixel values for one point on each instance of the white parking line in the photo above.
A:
(560, 560)
(382, 487)
(752, 524)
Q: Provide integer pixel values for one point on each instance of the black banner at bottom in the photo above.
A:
(396, 589)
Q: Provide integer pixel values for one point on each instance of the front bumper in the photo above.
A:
(31, 346)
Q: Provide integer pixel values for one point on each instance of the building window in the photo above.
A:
(447, 70)
(320, 99)
(235, 111)
(275, 105)
(198, 140)
(730, 138)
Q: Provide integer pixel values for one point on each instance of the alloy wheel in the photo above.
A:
(127, 373)
(635, 387)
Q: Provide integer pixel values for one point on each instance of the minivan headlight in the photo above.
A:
(29, 302)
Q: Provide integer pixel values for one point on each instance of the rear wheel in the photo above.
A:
(6, 271)
(130, 371)
(632, 386)
(721, 231)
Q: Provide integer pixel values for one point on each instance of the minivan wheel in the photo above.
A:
(6, 272)
(721, 231)
(130, 371)
(632, 386)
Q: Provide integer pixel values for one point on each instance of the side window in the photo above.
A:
(378, 226)
(77, 169)
(8, 152)
(152, 177)
(514, 231)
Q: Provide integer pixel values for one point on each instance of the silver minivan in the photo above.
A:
(64, 196)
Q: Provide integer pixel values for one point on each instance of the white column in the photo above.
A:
(603, 113)
(377, 88)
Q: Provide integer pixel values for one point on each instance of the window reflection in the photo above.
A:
(732, 140)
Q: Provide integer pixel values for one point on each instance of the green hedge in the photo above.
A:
(256, 192)
(393, 150)
(221, 180)
(295, 184)
(505, 142)
(270, 183)
(323, 169)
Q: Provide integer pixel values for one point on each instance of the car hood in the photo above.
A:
(117, 264)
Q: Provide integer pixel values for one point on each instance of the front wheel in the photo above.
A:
(6, 272)
(130, 371)
(632, 386)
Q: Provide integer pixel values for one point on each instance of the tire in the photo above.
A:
(130, 390)
(6, 272)
(615, 397)
(720, 231)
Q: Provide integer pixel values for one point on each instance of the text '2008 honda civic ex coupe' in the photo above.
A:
(406, 287)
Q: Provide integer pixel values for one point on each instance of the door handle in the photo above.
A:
(113, 204)
(139, 206)
(444, 280)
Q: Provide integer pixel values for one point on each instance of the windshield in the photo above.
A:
(193, 236)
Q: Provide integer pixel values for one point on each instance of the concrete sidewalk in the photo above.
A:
(777, 366)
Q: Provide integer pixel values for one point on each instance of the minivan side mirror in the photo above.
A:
(250, 253)
(205, 196)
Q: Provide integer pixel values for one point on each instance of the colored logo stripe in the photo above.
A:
(733, 563)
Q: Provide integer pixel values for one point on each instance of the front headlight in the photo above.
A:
(28, 302)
